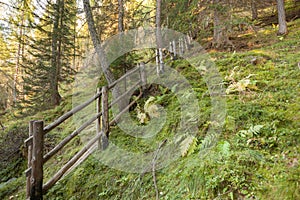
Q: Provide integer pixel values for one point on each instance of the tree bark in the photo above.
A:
(121, 30)
(159, 40)
(60, 40)
(254, 10)
(18, 57)
(100, 52)
(121, 16)
(55, 96)
(96, 42)
(220, 36)
(158, 24)
(281, 18)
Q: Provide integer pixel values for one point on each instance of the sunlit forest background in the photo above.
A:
(255, 44)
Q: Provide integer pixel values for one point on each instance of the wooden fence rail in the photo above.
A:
(35, 142)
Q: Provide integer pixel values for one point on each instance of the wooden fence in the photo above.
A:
(35, 188)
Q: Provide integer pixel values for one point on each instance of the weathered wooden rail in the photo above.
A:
(35, 188)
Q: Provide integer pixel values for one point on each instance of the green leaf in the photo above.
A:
(224, 148)
(188, 146)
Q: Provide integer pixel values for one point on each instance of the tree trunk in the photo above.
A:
(19, 55)
(281, 18)
(254, 10)
(121, 30)
(159, 40)
(158, 24)
(60, 38)
(96, 41)
(220, 36)
(121, 16)
(55, 96)
(100, 52)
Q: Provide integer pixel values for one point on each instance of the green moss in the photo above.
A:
(257, 155)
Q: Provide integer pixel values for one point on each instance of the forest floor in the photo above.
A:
(256, 157)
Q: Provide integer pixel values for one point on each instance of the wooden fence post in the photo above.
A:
(170, 47)
(187, 45)
(161, 61)
(98, 110)
(174, 49)
(105, 119)
(36, 191)
(179, 47)
(157, 61)
(29, 157)
(143, 75)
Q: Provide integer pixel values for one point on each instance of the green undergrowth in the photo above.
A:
(255, 157)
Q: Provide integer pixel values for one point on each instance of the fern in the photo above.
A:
(224, 148)
(252, 131)
(188, 146)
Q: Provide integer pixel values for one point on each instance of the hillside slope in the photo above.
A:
(256, 157)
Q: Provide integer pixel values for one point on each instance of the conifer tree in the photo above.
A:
(17, 18)
(6, 79)
(51, 54)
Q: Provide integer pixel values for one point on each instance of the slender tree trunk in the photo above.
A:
(55, 96)
(100, 52)
(158, 24)
(17, 67)
(96, 41)
(121, 30)
(159, 40)
(121, 16)
(220, 36)
(254, 10)
(74, 48)
(281, 18)
(59, 53)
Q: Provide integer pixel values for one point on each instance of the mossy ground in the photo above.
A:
(256, 157)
